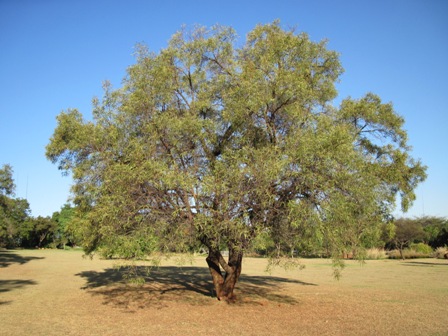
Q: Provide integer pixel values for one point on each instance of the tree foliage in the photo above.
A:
(430, 230)
(210, 143)
(39, 232)
(13, 211)
(407, 231)
(19, 229)
(436, 230)
(426, 232)
(7, 185)
(65, 228)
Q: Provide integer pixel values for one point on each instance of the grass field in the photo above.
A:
(53, 292)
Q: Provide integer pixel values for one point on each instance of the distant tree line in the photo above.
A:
(399, 234)
(19, 229)
(419, 233)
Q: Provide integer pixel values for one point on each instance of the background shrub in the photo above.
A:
(408, 253)
(441, 252)
(422, 248)
(375, 254)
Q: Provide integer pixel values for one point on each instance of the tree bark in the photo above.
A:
(224, 285)
(215, 271)
(401, 251)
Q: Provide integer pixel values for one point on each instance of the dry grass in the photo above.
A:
(441, 253)
(52, 292)
(376, 254)
(408, 253)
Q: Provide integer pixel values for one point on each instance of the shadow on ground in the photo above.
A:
(7, 258)
(9, 285)
(424, 263)
(191, 285)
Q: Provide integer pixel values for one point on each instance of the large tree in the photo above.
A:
(211, 143)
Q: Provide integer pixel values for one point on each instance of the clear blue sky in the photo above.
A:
(54, 55)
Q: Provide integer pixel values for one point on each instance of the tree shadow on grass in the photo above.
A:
(9, 285)
(7, 258)
(258, 289)
(423, 263)
(190, 285)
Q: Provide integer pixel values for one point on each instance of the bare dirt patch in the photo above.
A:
(50, 292)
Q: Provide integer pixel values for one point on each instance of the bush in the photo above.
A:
(375, 254)
(441, 253)
(422, 248)
(408, 253)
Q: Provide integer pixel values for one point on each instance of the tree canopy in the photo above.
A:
(209, 143)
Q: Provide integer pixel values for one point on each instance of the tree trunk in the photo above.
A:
(401, 251)
(225, 284)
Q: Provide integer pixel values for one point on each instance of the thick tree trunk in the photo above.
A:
(225, 284)
(215, 271)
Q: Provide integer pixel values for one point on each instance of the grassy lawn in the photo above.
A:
(53, 292)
